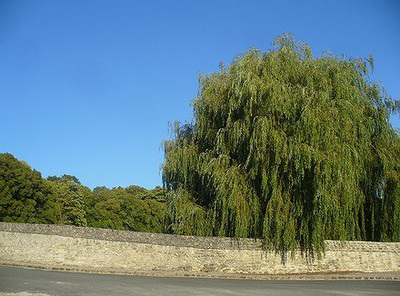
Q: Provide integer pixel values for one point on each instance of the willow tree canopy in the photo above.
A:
(289, 148)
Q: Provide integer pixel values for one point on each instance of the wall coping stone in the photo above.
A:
(133, 236)
(223, 243)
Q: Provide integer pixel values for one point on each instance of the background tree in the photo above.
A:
(66, 203)
(26, 197)
(22, 191)
(289, 148)
(132, 208)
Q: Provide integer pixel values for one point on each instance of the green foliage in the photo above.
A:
(22, 191)
(65, 204)
(289, 148)
(64, 177)
(26, 197)
(126, 209)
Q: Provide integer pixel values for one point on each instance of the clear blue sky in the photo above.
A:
(88, 87)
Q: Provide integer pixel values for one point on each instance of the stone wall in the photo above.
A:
(101, 250)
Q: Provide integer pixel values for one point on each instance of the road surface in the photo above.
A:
(31, 282)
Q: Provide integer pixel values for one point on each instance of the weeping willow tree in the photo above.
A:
(289, 148)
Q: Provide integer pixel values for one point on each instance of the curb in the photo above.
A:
(384, 276)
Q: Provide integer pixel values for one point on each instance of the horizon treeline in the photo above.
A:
(26, 197)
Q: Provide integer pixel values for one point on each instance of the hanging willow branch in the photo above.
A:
(289, 148)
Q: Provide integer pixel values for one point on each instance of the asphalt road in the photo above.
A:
(27, 282)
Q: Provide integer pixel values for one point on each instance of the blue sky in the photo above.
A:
(88, 87)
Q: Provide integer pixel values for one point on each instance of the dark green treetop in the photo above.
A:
(65, 177)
